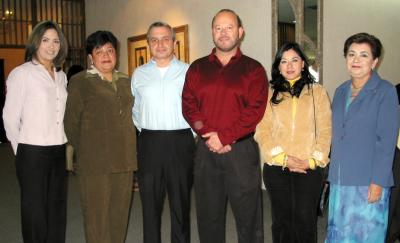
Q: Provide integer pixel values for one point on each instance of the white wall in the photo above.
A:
(342, 18)
(126, 18)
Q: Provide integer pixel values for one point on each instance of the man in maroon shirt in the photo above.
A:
(223, 99)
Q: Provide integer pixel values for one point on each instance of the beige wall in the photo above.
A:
(126, 18)
(342, 18)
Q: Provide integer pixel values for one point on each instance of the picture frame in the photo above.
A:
(139, 51)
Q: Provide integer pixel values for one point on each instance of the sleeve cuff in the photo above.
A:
(317, 155)
(280, 159)
(312, 163)
(276, 151)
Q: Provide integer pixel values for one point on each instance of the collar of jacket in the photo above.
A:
(93, 72)
(371, 85)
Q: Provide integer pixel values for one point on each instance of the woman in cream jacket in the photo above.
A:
(294, 137)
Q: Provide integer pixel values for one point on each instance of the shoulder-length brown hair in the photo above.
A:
(35, 39)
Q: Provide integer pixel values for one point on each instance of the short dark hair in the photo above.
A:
(373, 42)
(160, 24)
(279, 83)
(35, 38)
(99, 39)
(226, 10)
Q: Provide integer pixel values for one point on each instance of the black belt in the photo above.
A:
(250, 135)
(166, 131)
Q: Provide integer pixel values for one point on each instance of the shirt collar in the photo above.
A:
(212, 57)
(38, 64)
(293, 81)
(173, 60)
(93, 71)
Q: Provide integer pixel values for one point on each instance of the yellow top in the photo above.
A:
(294, 98)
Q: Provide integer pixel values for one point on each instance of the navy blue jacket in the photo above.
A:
(364, 139)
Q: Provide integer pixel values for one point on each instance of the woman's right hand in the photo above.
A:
(297, 165)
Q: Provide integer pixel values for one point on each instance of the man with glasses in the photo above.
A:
(165, 142)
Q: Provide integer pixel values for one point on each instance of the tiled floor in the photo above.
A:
(10, 231)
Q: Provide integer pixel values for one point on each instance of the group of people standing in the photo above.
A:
(204, 125)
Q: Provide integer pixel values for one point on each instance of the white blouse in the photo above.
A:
(35, 104)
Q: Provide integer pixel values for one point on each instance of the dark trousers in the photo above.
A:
(165, 164)
(233, 176)
(105, 201)
(42, 179)
(294, 200)
(393, 233)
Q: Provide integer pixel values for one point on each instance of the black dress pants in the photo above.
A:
(294, 200)
(42, 179)
(165, 163)
(233, 176)
(393, 233)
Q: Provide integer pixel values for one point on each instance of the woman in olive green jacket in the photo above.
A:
(98, 124)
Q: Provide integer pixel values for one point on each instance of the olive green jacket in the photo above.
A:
(98, 123)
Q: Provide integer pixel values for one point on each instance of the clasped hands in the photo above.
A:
(214, 144)
(297, 165)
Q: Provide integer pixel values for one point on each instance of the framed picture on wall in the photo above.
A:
(139, 52)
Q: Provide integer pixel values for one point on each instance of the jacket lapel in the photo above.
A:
(342, 98)
(366, 91)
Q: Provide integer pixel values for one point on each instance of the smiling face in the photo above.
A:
(161, 43)
(360, 61)
(104, 58)
(226, 32)
(49, 47)
(291, 65)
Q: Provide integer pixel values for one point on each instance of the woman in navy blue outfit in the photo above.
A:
(365, 127)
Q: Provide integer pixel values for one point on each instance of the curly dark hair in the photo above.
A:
(279, 84)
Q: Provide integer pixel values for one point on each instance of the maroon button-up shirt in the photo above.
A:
(229, 100)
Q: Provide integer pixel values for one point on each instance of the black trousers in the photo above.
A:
(42, 179)
(165, 163)
(393, 233)
(294, 200)
(233, 176)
